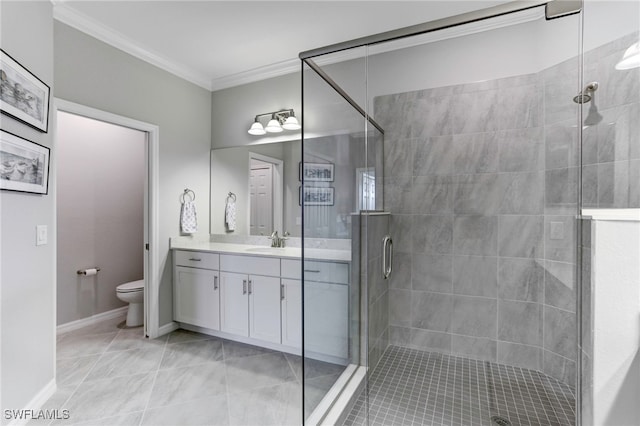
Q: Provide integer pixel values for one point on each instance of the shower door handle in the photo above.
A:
(387, 256)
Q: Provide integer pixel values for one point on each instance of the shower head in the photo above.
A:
(593, 117)
(586, 95)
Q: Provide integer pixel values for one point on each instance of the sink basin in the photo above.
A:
(274, 250)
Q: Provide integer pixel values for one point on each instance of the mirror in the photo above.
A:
(264, 180)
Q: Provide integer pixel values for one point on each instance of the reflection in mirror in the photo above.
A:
(265, 194)
(245, 171)
(266, 179)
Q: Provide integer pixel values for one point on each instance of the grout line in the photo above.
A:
(155, 378)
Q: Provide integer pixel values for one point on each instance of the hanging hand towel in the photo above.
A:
(188, 220)
(230, 215)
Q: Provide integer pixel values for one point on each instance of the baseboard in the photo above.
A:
(242, 339)
(74, 325)
(34, 405)
(168, 328)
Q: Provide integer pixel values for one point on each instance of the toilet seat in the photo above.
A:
(131, 287)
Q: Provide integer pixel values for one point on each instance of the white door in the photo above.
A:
(197, 297)
(329, 302)
(234, 307)
(264, 308)
(261, 199)
(291, 313)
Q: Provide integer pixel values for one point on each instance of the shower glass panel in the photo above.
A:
(336, 181)
(481, 172)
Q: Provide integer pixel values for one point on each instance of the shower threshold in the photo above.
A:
(413, 387)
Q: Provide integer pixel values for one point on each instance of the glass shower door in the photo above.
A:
(332, 171)
(477, 324)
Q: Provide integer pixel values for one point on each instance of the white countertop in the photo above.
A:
(252, 250)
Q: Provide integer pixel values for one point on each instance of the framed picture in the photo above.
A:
(24, 165)
(315, 196)
(316, 172)
(23, 95)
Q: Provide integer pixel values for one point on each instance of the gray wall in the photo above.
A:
(100, 213)
(234, 109)
(92, 73)
(27, 302)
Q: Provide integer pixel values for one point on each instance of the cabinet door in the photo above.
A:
(197, 297)
(291, 313)
(264, 308)
(234, 307)
(327, 325)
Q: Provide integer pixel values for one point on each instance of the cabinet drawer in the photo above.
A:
(197, 259)
(291, 269)
(327, 272)
(252, 265)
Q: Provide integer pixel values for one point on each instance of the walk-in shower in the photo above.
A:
(461, 139)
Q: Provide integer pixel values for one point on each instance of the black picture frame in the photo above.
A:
(316, 195)
(24, 165)
(316, 172)
(23, 96)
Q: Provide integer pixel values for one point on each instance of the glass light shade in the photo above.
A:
(631, 58)
(291, 123)
(257, 129)
(273, 126)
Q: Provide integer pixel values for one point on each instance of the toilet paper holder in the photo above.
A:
(89, 270)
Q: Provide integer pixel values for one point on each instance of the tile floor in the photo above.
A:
(412, 387)
(107, 375)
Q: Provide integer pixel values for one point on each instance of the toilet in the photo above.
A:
(133, 293)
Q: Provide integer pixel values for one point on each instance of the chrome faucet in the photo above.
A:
(277, 241)
(285, 237)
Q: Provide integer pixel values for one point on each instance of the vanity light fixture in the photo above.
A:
(273, 126)
(284, 119)
(631, 58)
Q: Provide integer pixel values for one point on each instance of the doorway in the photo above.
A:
(265, 194)
(99, 210)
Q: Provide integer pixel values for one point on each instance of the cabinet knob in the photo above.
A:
(215, 283)
(193, 259)
(281, 291)
(250, 287)
(244, 286)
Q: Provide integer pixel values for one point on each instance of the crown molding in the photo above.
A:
(87, 25)
(81, 22)
(261, 73)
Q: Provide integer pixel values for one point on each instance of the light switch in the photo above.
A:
(41, 235)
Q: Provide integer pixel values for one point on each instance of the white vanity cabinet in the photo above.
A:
(326, 295)
(197, 289)
(291, 303)
(250, 297)
(250, 306)
(258, 300)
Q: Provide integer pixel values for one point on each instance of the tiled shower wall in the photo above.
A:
(481, 179)
(468, 195)
(611, 149)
